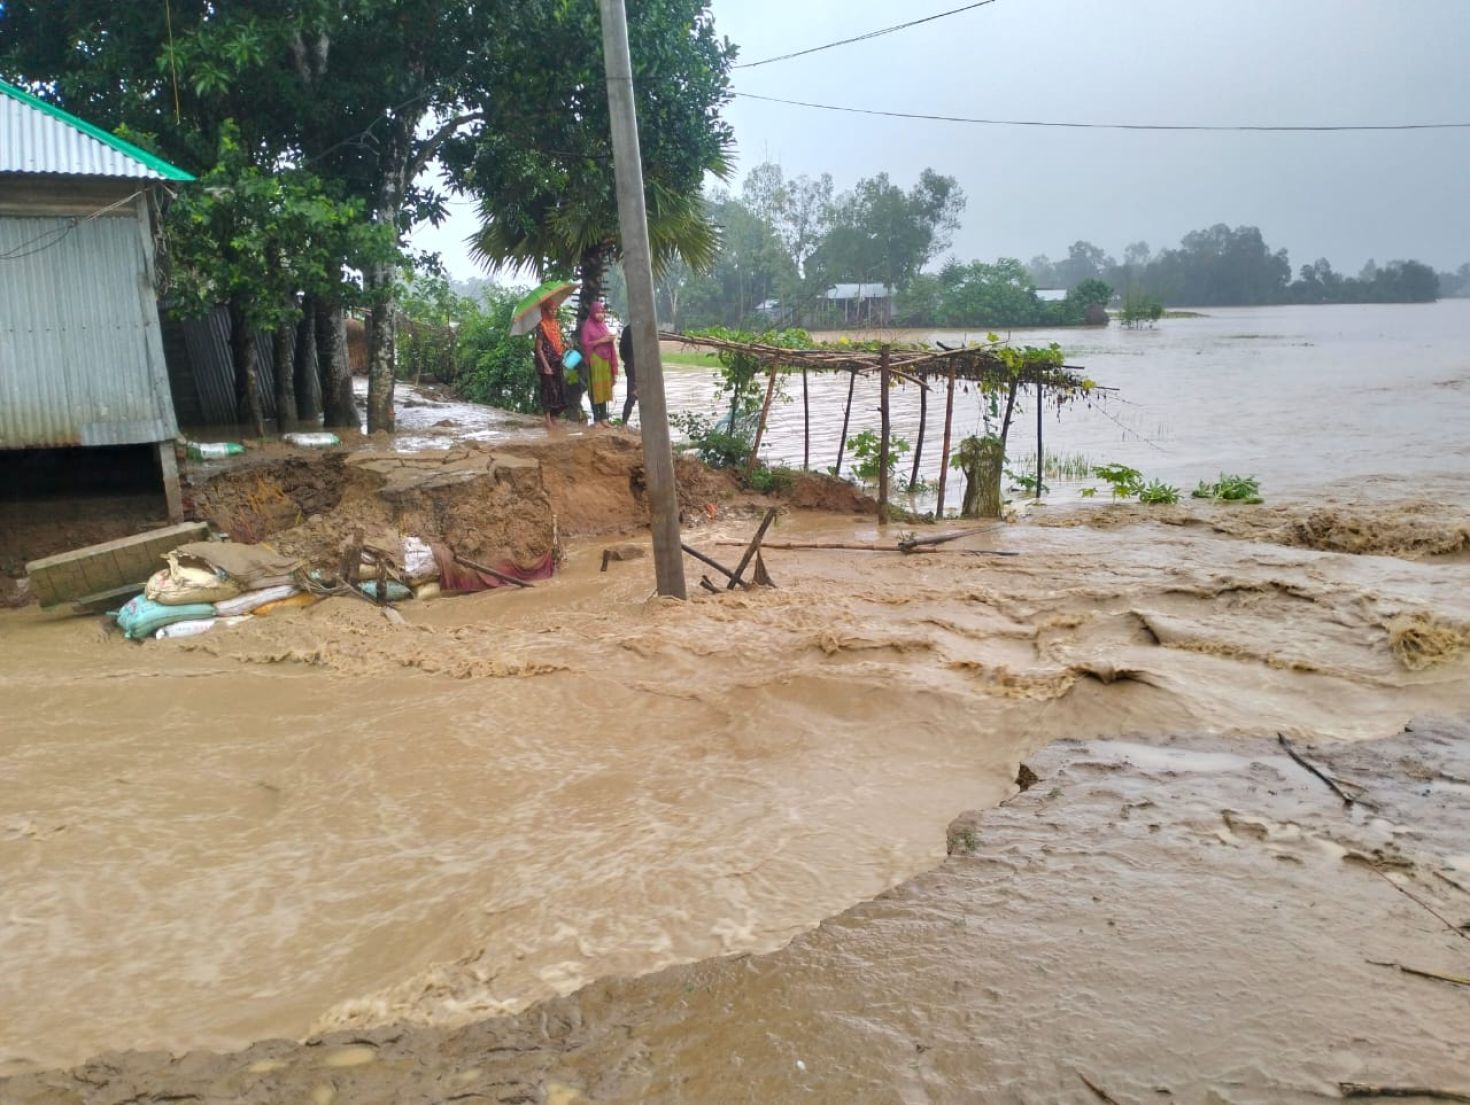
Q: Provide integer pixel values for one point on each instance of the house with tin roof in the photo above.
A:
(83, 382)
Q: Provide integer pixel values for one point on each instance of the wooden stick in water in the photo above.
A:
(492, 572)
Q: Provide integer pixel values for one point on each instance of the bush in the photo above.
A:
(865, 448)
(765, 480)
(1231, 489)
(491, 366)
(714, 443)
(1158, 492)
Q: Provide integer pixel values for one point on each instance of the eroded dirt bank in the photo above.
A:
(1188, 919)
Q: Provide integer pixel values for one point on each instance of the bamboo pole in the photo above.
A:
(884, 428)
(944, 451)
(760, 429)
(753, 547)
(846, 414)
(658, 451)
(1040, 463)
(919, 441)
(806, 423)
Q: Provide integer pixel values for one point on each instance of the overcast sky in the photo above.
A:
(1343, 196)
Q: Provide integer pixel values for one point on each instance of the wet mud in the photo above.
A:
(1187, 919)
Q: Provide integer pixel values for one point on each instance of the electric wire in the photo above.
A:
(862, 37)
(1259, 127)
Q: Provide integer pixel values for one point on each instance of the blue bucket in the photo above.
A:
(571, 359)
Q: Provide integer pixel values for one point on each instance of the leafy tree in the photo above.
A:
(882, 234)
(252, 239)
(1085, 261)
(539, 158)
(492, 366)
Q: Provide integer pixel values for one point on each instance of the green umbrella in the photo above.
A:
(528, 311)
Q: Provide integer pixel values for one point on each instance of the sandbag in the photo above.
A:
(295, 602)
(253, 567)
(142, 617)
(197, 626)
(186, 581)
(397, 592)
(429, 590)
(251, 600)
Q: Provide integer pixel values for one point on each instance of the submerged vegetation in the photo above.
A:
(1230, 489)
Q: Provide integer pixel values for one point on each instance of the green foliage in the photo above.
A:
(713, 443)
(252, 238)
(1088, 492)
(540, 159)
(768, 481)
(1230, 488)
(866, 447)
(429, 315)
(1140, 309)
(741, 373)
(1026, 483)
(492, 367)
(1158, 492)
(1125, 482)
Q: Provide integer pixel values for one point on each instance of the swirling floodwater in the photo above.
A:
(305, 823)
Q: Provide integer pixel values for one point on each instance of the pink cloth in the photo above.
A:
(597, 337)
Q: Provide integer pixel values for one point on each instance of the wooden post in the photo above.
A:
(658, 451)
(753, 548)
(846, 414)
(1040, 463)
(760, 429)
(883, 429)
(919, 441)
(168, 471)
(806, 424)
(944, 451)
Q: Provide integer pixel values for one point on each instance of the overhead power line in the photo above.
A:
(863, 37)
(1107, 126)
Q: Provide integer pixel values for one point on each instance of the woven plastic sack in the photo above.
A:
(253, 600)
(142, 617)
(196, 627)
(187, 581)
(295, 602)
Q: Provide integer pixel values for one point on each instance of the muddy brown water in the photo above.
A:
(322, 821)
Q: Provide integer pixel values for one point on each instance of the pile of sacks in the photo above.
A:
(419, 573)
(211, 583)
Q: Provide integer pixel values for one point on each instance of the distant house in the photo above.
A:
(861, 303)
(81, 355)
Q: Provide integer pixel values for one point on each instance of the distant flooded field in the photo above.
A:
(1303, 397)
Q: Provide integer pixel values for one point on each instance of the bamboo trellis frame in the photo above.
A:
(918, 365)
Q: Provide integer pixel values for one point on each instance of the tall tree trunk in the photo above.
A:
(284, 348)
(339, 408)
(382, 334)
(242, 353)
(308, 382)
(592, 271)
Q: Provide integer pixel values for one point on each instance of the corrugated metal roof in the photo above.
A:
(37, 137)
(859, 291)
(81, 358)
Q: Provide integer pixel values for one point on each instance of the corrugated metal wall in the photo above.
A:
(207, 346)
(81, 356)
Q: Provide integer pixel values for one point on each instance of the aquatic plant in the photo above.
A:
(1230, 488)
(1158, 492)
(1126, 483)
(865, 449)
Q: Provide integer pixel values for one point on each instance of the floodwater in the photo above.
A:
(320, 820)
(1302, 397)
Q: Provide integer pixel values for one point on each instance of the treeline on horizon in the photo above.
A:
(785, 241)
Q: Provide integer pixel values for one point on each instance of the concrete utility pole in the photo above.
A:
(658, 454)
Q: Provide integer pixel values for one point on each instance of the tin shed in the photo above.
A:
(81, 352)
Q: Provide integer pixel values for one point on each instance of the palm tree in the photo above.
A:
(578, 233)
(540, 160)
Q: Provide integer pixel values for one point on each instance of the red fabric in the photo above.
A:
(455, 577)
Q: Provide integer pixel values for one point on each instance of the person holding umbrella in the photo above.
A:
(536, 313)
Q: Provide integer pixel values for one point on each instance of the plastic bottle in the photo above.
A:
(312, 441)
(213, 450)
